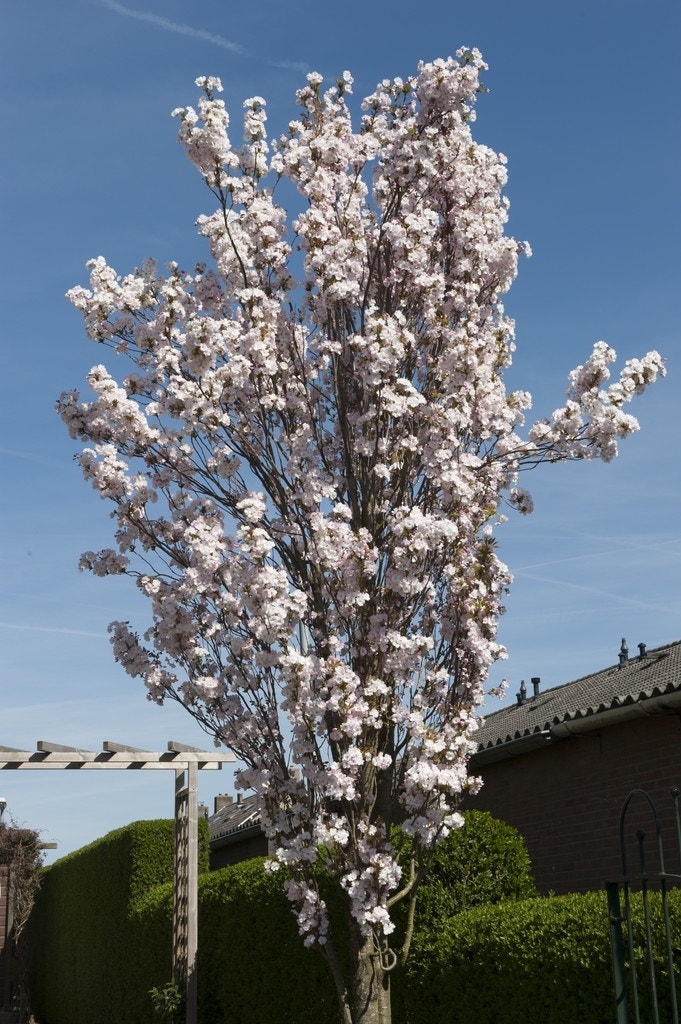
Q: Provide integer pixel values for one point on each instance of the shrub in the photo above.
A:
(483, 862)
(540, 961)
(481, 952)
(253, 966)
(168, 1003)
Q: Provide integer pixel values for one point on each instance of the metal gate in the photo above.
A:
(644, 951)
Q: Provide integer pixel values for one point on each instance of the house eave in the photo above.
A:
(577, 725)
(238, 835)
(660, 704)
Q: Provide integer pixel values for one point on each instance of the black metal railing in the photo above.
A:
(644, 957)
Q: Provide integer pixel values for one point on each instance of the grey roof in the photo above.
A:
(588, 703)
(234, 819)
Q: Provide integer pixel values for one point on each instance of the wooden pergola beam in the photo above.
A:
(113, 755)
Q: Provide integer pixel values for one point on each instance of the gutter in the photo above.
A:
(511, 748)
(663, 704)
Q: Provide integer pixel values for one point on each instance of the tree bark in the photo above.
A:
(370, 982)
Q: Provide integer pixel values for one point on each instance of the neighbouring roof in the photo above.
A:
(649, 682)
(234, 821)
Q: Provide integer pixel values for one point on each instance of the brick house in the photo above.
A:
(557, 765)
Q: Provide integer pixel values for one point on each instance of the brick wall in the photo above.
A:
(233, 853)
(565, 799)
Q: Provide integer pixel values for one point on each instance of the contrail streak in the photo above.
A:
(50, 629)
(173, 26)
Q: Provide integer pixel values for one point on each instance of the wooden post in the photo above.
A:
(185, 902)
(192, 892)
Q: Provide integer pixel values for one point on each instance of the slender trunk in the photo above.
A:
(370, 982)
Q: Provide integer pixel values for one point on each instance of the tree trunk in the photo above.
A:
(370, 983)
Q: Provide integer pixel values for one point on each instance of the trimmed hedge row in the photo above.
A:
(86, 948)
(252, 964)
(541, 961)
(102, 929)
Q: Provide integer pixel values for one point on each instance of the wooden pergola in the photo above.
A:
(185, 762)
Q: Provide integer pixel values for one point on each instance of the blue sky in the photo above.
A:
(584, 100)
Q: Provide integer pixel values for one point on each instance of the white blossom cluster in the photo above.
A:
(308, 456)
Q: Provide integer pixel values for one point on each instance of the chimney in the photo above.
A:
(202, 811)
(222, 800)
(641, 651)
(624, 653)
(536, 680)
(521, 695)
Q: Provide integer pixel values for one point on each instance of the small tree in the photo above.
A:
(21, 855)
(307, 463)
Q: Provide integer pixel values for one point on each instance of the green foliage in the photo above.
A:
(89, 963)
(168, 1002)
(253, 966)
(484, 862)
(104, 950)
(278, 978)
(539, 961)
(84, 896)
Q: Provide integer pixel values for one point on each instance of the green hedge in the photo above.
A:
(252, 964)
(108, 900)
(539, 961)
(103, 929)
(484, 862)
(86, 946)
(246, 924)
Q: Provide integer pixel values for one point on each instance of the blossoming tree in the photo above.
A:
(307, 462)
